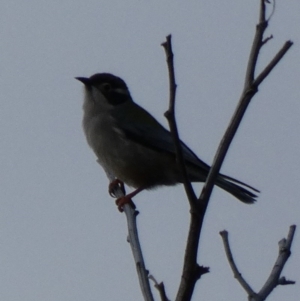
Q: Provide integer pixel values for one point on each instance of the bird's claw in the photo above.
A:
(114, 185)
(120, 202)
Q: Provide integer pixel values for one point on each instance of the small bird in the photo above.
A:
(134, 147)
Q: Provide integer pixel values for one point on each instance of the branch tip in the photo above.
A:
(237, 274)
(224, 233)
(284, 281)
(266, 40)
(201, 270)
(160, 287)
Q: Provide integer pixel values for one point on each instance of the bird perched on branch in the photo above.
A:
(134, 147)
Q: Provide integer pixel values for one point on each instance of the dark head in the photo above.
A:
(113, 88)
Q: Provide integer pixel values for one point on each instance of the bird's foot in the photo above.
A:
(127, 199)
(114, 185)
(122, 201)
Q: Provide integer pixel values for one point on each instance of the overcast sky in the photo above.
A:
(62, 238)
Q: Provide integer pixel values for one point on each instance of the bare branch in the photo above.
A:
(256, 45)
(287, 45)
(274, 278)
(236, 272)
(284, 254)
(284, 281)
(191, 270)
(191, 273)
(170, 115)
(267, 39)
(250, 89)
(248, 93)
(160, 287)
(273, 10)
(133, 239)
(134, 242)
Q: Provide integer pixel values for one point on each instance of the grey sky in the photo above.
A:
(62, 237)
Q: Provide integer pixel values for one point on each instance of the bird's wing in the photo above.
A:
(141, 127)
(138, 125)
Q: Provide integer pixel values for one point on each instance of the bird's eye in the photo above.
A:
(106, 87)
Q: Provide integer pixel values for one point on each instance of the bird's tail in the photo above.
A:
(237, 188)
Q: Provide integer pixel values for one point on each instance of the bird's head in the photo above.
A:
(105, 90)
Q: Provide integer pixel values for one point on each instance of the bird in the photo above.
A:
(135, 148)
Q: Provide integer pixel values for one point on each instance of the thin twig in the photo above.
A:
(267, 39)
(274, 278)
(236, 272)
(133, 239)
(284, 281)
(287, 45)
(256, 45)
(160, 287)
(273, 10)
(191, 270)
(284, 253)
(170, 115)
(134, 242)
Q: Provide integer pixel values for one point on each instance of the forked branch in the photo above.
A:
(274, 279)
(191, 270)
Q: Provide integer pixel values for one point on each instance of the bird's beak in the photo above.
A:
(85, 80)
